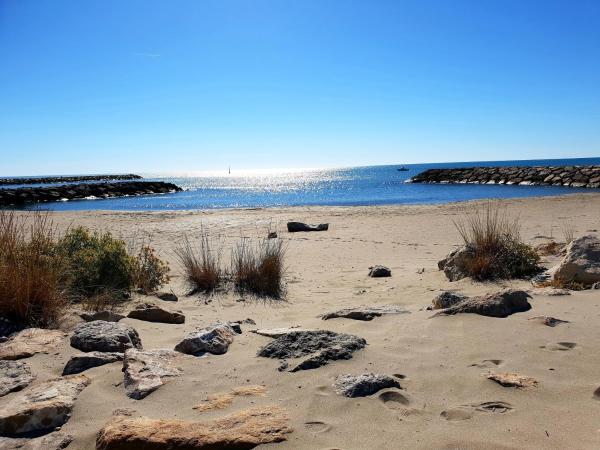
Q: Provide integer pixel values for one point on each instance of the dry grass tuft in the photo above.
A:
(32, 274)
(495, 246)
(568, 230)
(259, 269)
(222, 400)
(201, 263)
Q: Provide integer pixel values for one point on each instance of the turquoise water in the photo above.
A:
(375, 185)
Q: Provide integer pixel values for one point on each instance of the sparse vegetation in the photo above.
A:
(568, 230)
(41, 272)
(494, 246)
(150, 272)
(259, 269)
(201, 264)
(32, 273)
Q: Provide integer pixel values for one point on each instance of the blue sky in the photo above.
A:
(180, 86)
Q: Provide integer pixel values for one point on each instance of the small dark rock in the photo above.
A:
(379, 272)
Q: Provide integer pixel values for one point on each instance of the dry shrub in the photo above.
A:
(201, 263)
(32, 273)
(259, 269)
(494, 245)
(150, 272)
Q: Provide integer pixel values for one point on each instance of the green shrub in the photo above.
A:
(150, 273)
(98, 263)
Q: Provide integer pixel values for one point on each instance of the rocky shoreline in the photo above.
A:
(66, 179)
(573, 176)
(28, 195)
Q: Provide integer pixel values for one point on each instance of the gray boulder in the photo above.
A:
(294, 227)
(379, 272)
(150, 312)
(317, 347)
(81, 363)
(146, 371)
(52, 441)
(499, 304)
(581, 263)
(42, 407)
(363, 385)
(214, 339)
(104, 336)
(14, 376)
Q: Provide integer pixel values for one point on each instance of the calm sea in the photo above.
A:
(375, 185)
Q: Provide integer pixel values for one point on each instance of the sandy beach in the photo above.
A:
(439, 361)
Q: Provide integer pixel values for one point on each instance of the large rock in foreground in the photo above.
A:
(242, 430)
(145, 371)
(14, 376)
(581, 263)
(317, 347)
(104, 336)
(52, 441)
(499, 304)
(153, 313)
(364, 384)
(214, 339)
(42, 407)
(81, 363)
(30, 341)
(365, 312)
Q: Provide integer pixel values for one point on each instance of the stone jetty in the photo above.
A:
(573, 176)
(68, 179)
(28, 195)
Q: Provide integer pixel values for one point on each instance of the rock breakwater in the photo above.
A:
(67, 179)
(28, 195)
(573, 176)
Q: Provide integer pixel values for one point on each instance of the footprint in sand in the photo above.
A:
(487, 363)
(465, 412)
(560, 346)
(393, 400)
(317, 426)
(323, 391)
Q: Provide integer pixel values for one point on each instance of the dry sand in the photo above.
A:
(439, 357)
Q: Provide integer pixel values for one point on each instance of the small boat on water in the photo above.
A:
(402, 169)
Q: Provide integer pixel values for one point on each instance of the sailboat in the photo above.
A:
(229, 170)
